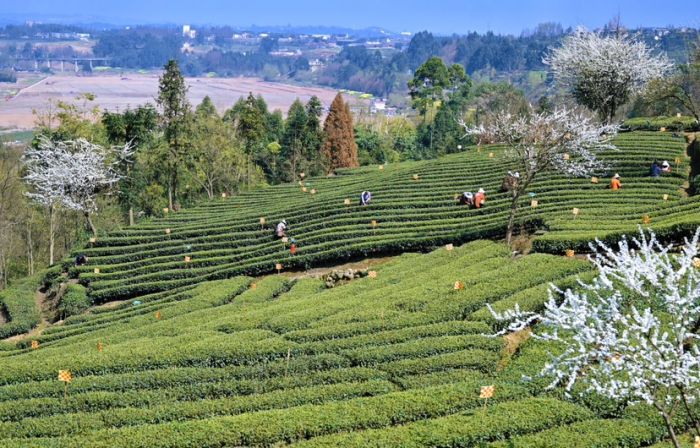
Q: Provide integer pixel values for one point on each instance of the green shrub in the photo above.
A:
(684, 123)
(19, 304)
(74, 301)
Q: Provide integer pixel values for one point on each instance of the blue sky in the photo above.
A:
(440, 16)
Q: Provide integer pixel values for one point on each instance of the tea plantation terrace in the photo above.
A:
(396, 359)
(413, 208)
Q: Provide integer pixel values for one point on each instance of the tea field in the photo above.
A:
(196, 340)
(393, 359)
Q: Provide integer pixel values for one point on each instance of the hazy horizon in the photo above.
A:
(442, 16)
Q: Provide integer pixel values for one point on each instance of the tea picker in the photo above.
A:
(365, 198)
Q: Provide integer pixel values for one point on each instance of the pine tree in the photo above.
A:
(339, 148)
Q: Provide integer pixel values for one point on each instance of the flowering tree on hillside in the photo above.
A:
(633, 333)
(602, 72)
(70, 174)
(563, 141)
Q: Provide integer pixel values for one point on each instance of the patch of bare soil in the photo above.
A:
(323, 271)
(513, 341)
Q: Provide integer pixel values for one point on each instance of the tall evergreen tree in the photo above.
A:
(293, 140)
(250, 125)
(339, 148)
(175, 120)
(314, 133)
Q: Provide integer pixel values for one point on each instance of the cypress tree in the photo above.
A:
(339, 148)
(176, 121)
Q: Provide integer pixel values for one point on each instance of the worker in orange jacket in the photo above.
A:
(615, 183)
(479, 198)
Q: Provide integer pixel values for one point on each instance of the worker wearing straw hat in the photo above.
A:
(615, 183)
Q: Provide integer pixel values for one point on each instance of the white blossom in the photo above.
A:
(601, 72)
(563, 140)
(633, 332)
(72, 173)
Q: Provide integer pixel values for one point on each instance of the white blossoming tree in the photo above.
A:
(602, 72)
(563, 141)
(71, 174)
(633, 333)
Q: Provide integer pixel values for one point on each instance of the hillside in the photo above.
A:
(212, 353)
(224, 238)
(394, 360)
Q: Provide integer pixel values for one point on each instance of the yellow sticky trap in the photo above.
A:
(374, 223)
(594, 180)
(663, 129)
(96, 270)
(346, 202)
(487, 391)
(646, 219)
(416, 177)
(372, 274)
(381, 167)
(158, 315)
(93, 240)
(678, 160)
(262, 221)
(285, 239)
(65, 376)
(491, 155)
(278, 267)
(167, 231)
(100, 347)
(166, 210)
(575, 211)
(35, 345)
(534, 203)
(449, 247)
(696, 262)
(188, 259)
(570, 253)
(223, 195)
(458, 286)
(253, 285)
(697, 442)
(304, 189)
(567, 156)
(665, 197)
(313, 191)
(302, 175)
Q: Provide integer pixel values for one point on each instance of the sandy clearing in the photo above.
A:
(116, 92)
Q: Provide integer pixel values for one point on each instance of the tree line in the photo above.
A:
(88, 169)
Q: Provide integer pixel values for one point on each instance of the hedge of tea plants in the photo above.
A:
(413, 208)
(394, 359)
